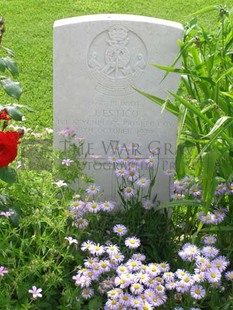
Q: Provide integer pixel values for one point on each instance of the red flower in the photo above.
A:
(8, 147)
(4, 115)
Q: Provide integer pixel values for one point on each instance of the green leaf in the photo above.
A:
(202, 116)
(167, 104)
(180, 163)
(193, 109)
(227, 94)
(95, 303)
(171, 69)
(15, 218)
(3, 199)
(183, 48)
(11, 66)
(218, 228)
(208, 108)
(8, 175)
(12, 88)
(179, 203)
(182, 119)
(190, 25)
(206, 10)
(9, 51)
(2, 65)
(14, 113)
(16, 105)
(226, 72)
(219, 124)
(226, 164)
(44, 305)
(209, 182)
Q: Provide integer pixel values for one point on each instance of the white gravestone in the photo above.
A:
(98, 59)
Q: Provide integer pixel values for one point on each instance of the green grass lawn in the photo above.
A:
(29, 31)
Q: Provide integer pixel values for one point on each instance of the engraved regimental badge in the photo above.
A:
(116, 58)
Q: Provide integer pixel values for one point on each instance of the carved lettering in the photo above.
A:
(112, 146)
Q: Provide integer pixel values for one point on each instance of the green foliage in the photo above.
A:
(32, 240)
(203, 104)
(8, 175)
(9, 111)
(10, 69)
(29, 37)
(14, 111)
(34, 250)
(72, 151)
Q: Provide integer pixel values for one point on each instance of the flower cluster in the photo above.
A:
(187, 188)
(67, 132)
(214, 218)
(133, 284)
(29, 132)
(224, 189)
(132, 186)
(80, 208)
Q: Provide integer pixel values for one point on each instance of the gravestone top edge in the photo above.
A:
(116, 17)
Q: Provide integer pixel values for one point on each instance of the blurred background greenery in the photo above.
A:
(29, 33)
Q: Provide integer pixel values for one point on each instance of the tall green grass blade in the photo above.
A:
(192, 108)
(183, 49)
(180, 161)
(227, 94)
(209, 183)
(207, 10)
(169, 106)
(226, 164)
(227, 120)
(179, 203)
(202, 116)
(221, 125)
(171, 69)
(227, 72)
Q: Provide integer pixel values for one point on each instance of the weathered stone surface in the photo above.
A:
(98, 59)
